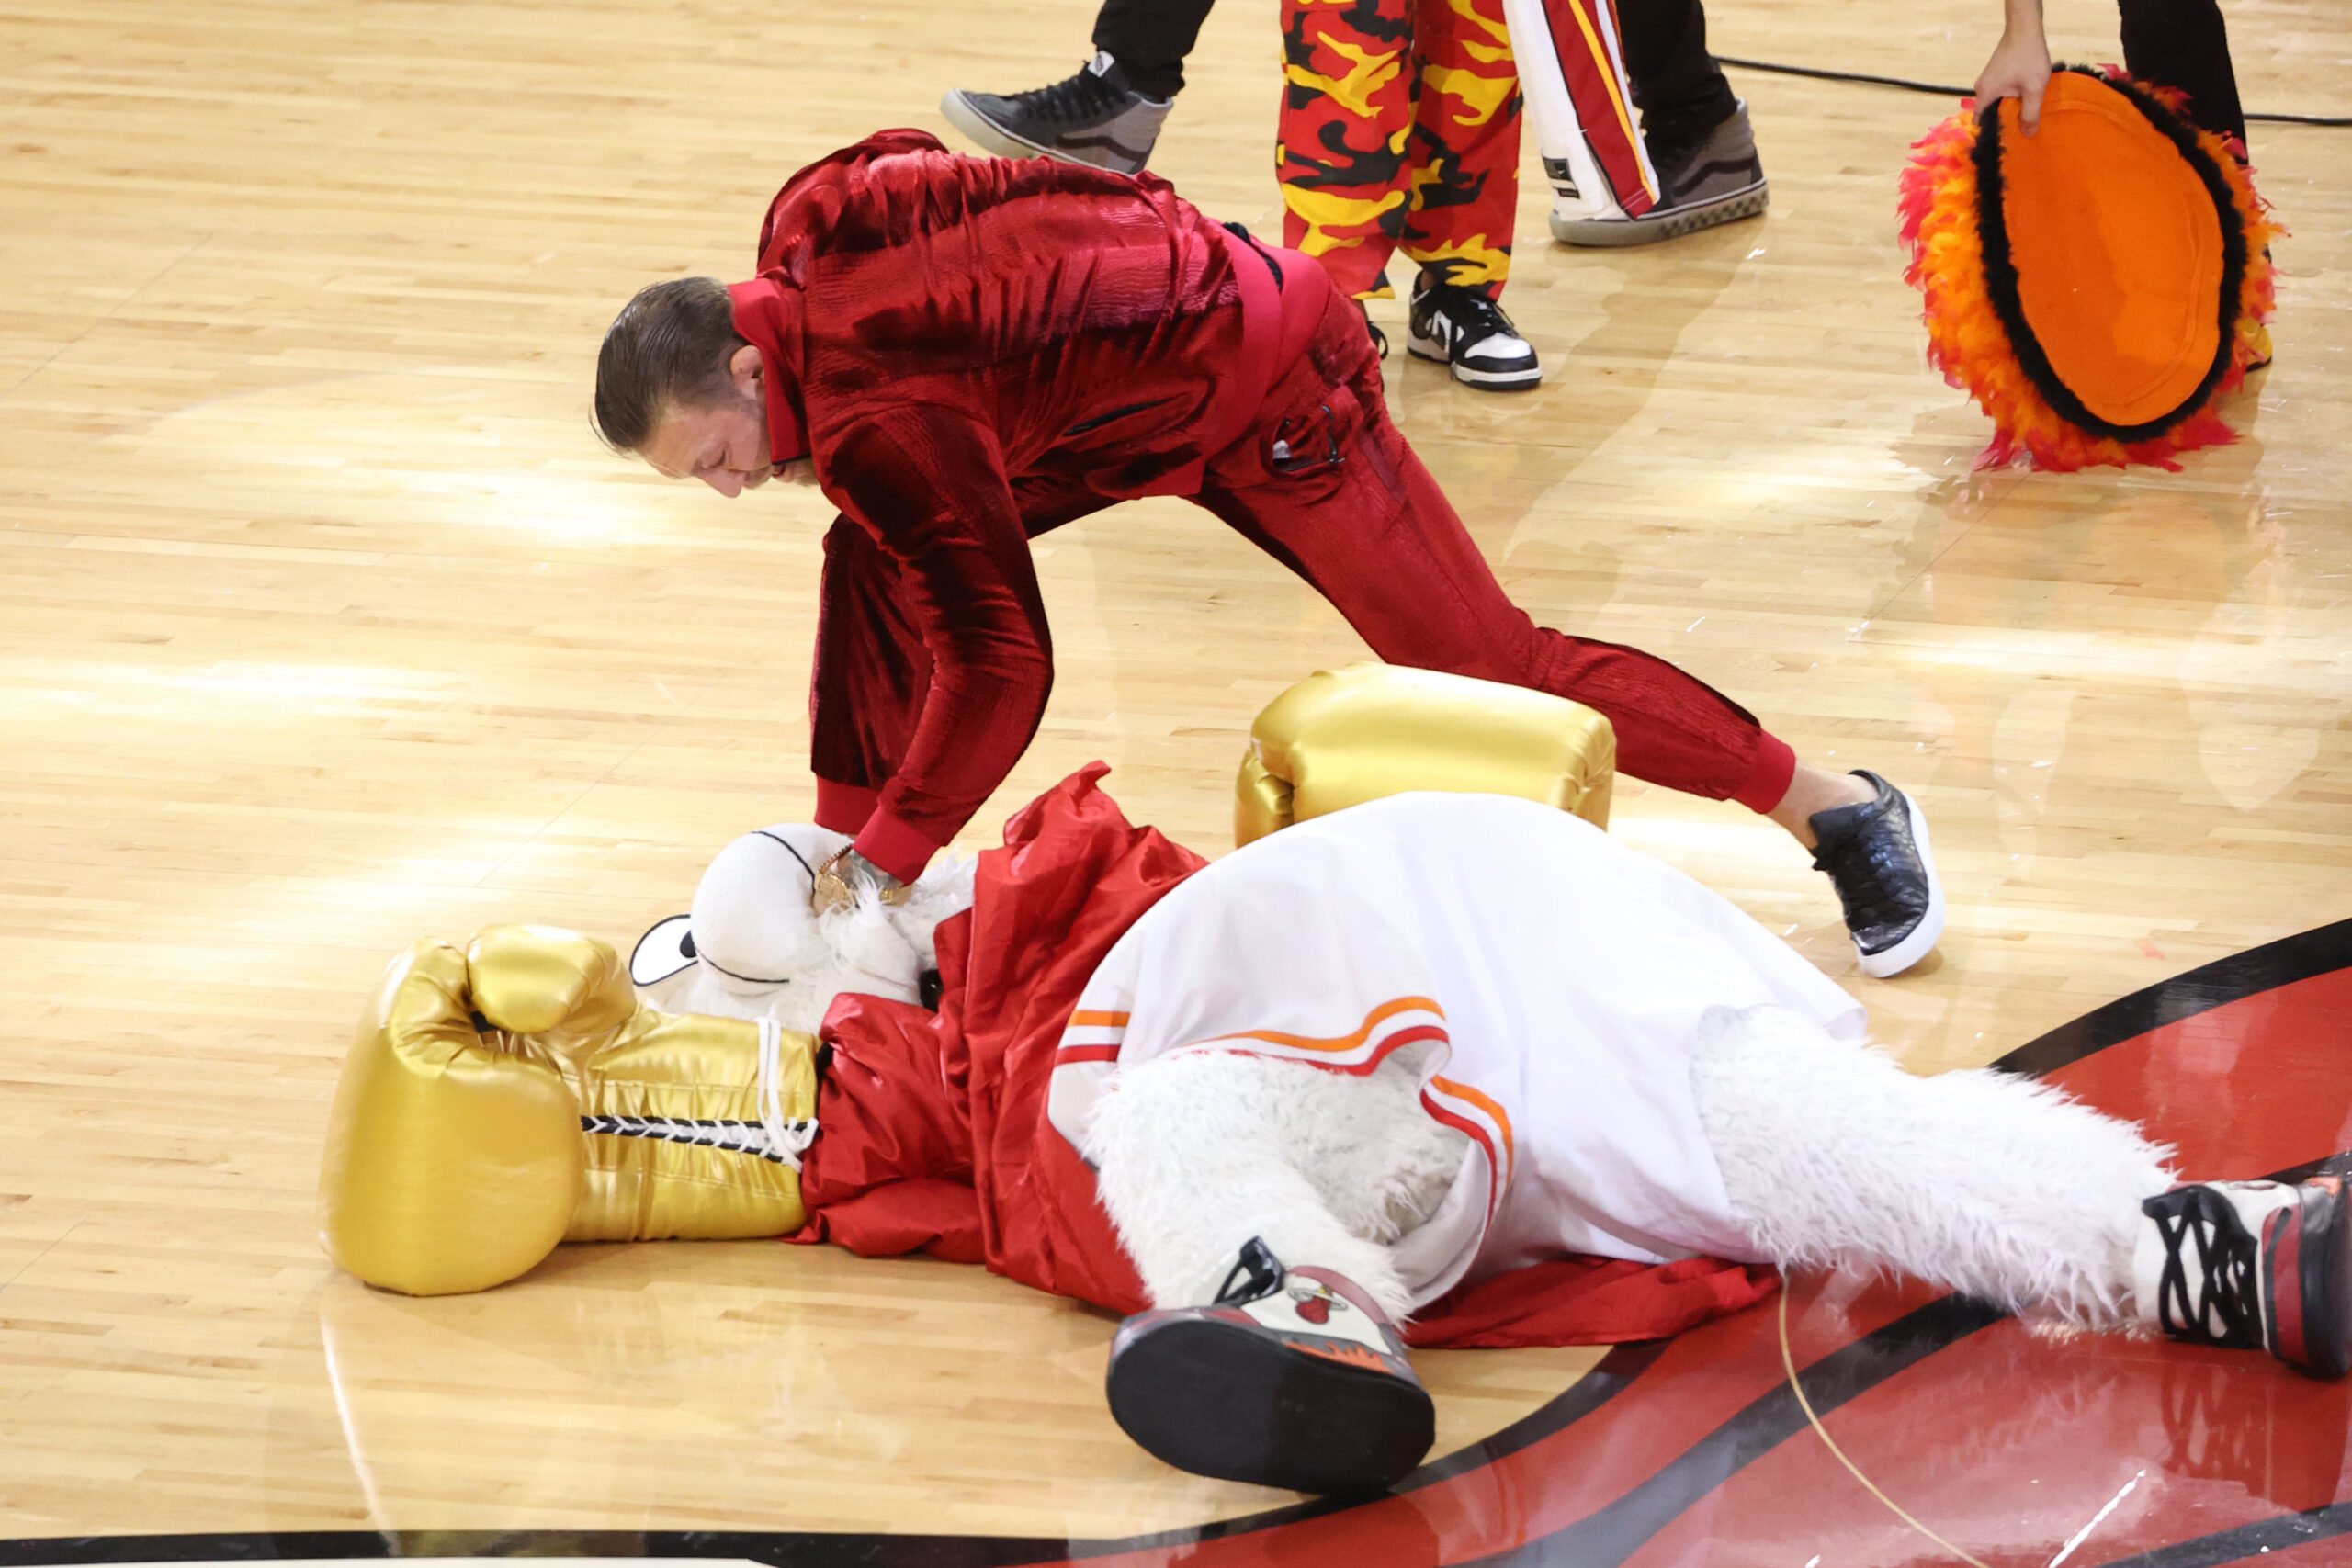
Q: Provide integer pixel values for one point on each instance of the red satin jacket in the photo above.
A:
(939, 330)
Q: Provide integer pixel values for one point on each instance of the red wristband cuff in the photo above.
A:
(894, 846)
(844, 807)
(1768, 780)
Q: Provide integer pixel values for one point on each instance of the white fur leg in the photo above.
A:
(1197, 1152)
(1976, 1180)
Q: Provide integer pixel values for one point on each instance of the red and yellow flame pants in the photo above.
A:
(1400, 130)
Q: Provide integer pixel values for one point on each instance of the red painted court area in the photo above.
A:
(2016, 1444)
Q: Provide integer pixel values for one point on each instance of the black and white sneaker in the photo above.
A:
(1093, 118)
(1462, 328)
(1718, 180)
(2255, 1265)
(1878, 856)
(1292, 1378)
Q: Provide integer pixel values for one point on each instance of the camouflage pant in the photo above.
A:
(1400, 130)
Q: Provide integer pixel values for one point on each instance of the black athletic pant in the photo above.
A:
(1679, 88)
(2183, 43)
(1149, 39)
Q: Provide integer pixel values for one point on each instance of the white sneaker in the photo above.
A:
(1465, 330)
(2255, 1265)
(1292, 1378)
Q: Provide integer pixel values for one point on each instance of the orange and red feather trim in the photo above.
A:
(1975, 326)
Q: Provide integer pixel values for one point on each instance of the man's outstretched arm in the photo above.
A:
(950, 566)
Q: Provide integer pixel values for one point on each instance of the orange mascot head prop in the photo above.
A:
(2098, 286)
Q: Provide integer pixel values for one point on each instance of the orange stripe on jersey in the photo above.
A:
(1464, 1091)
(1341, 1042)
(1087, 1019)
(1086, 1054)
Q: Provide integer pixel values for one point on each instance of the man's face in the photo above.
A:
(723, 445)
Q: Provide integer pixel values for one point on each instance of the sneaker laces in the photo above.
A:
(1256, 1275)
(1871, 872)
(1077, 99)
(2227, 1256)
(1469, 309)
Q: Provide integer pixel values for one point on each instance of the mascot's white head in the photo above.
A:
(755, 947)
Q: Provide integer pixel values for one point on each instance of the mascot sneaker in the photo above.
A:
(1720, 180)
(1093, 118)
(1293, 1378)
(2255, 1265)
(1878, 856)
(1463, 328)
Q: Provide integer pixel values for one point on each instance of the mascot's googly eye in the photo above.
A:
(662, 952)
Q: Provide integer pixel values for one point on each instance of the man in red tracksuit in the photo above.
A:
(966, 353)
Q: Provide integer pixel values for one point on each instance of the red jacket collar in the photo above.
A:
(768, 310)
(767, 315)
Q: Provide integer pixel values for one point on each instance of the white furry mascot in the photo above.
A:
(1366, 1061)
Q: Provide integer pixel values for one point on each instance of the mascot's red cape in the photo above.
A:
(936, 1136)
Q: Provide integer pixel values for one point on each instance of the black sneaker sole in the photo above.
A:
(1672, 224)
(1220, 1400)
(994, 138)
(2317, 1338)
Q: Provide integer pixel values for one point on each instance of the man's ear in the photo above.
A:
(745, 368)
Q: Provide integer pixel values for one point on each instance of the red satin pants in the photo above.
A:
(1352, 510)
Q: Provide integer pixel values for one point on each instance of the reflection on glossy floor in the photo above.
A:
(328, 625)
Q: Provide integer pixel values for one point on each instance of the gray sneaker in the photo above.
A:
(1719, 180)
(1092, 118)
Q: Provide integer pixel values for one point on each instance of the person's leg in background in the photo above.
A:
(1462, 179)
(1696, 131)
(1108, 113)
(1348, 90)
(2185, 44)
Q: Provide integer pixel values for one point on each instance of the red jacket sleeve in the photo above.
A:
(927, 481)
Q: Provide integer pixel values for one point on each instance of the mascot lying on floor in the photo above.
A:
(1439, 1067)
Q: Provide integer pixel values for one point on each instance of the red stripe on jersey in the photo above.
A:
(1597, 88)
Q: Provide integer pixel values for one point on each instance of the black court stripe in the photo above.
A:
(2241, 975)
(2244, 1541)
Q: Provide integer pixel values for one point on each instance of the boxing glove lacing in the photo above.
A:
(788, 1141)
(774, 1136)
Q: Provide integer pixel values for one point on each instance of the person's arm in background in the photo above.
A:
(2019, 68)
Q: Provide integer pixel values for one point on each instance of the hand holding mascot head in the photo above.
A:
(756, 945)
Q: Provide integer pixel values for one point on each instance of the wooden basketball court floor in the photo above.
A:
(325, 622)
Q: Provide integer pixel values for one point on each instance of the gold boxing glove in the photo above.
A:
(499, 1100)
(1343, 737)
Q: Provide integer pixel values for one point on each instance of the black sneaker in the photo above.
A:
(1719, 180)
(2255, 1265)
(1877, 854)
(1092, 118)
(1293, 1379)
(1462, 328)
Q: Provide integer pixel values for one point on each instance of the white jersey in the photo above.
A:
(1543, 981)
